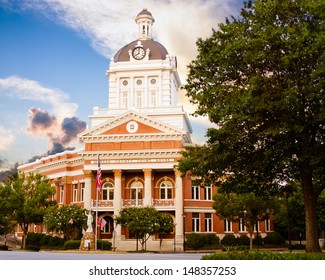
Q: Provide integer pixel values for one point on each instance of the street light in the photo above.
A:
(184, 216)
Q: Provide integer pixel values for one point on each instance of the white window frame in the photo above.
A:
(195, 222)
(82, 191)
(208, 193)
(208, 222)
(136, 193)
(227, 225)
(242, 225)
(61, 198)
(108, 191)
(195, 192)
(166, 190)
(267, 225)
(75, 193)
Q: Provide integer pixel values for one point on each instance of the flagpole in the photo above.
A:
(98, 187)
(96, 218)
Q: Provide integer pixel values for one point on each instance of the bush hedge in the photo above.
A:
(229, 240)
(41, 240)
(262, 255)
(71, 245)
(104, 245)
(274, 238)
(197, 241)
(4, 248)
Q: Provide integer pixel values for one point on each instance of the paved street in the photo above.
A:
(25, 255)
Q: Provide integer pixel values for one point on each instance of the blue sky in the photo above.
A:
(54, 54)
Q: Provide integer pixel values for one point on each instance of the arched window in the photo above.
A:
(166, 190)
(136, 193)
(108, 191)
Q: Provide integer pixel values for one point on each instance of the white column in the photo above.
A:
(117, 199)
(147, 187)
(87, 193)
(179, 210)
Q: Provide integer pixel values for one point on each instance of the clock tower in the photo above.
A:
(143, 78)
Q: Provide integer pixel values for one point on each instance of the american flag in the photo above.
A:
(99, 177)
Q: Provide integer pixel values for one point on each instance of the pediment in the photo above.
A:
(130, 124)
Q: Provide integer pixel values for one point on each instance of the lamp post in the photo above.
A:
(184, 216)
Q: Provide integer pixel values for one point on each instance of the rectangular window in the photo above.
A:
(208, 192)
(153, 98)
(196, 192)
(242, 225)
(75, 192)
(139, 99)
(208, 222)
(267, 225)
(196, 222)
(124, 99)
(227, 225)
(61, 199)
(82, 191)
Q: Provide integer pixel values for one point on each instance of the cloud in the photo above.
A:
(59, 134)
(110, 24)
(7, 138)
(25, 89)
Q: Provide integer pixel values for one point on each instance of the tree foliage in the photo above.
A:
(246, 208)
(260, 79)
(6, 223)
(29, 198)
(70, 219)
(144, 222)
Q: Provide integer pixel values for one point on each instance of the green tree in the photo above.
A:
(246, 208)
(260, 79)
(144, 222)
(70, 219)
(29, 198)
(6, 224)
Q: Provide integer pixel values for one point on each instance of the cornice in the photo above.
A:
(132, 137)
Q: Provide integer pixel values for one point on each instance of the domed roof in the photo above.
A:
(157, 50)
(144, 21)
(145, 12)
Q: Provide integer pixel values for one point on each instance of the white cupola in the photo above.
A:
(144, 21)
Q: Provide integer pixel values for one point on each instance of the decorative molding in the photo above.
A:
(147, 172)
(178, 173)
(88, 174)
(117, 173)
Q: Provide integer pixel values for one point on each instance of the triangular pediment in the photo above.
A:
(130, 124)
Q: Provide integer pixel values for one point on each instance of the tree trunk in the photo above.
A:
(25, 231)
(310, 201)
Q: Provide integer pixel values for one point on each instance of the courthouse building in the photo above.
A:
(138, 139)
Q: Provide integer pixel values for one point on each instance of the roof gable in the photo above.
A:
(130, 124)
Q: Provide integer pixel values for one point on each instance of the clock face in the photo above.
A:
(138, 53)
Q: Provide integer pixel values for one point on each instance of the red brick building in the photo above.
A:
(138, 139)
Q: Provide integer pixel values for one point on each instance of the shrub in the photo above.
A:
(194, 241)
(197, 241)
(258, 240)
(262, 255)
(56, 242)
(274, 238)
(104, 245)
(298, 247)
(34, 238)
(44, 242)
(71, 245)
(243, 240)
(211, 239)
(229, 240)
(32, 248)
(4, 248)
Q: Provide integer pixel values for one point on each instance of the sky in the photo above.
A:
(54, 54)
